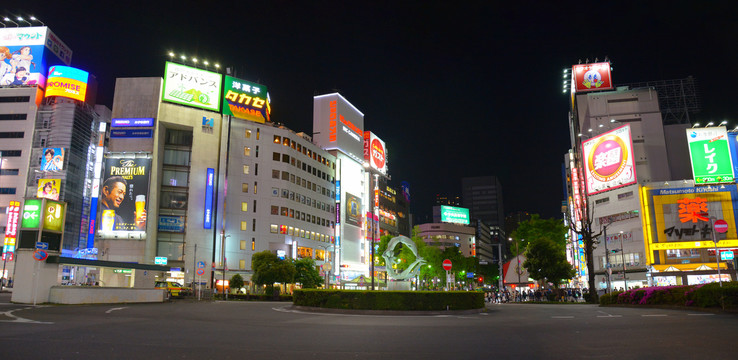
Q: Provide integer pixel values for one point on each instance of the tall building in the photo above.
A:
(482, 195)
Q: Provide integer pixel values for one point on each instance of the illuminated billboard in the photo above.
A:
(49, 188)
(189, 86)
(31, 217)
(123, 194)
(53, 159)
(590, 77)
(353, 210)
(11, 229)
(26, 52)
(710, 154)
(246, 100)
(608, 160)
(68, 82)
(53, 215)
(338, 125)
(375, 152)
(456, 215)
(208, 213)
(677, 224)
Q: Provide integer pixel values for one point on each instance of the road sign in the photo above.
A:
(200, 264)
(201, 271)
(721, 226)
(447, 265)
(727, 255)
(42, 245)
(40, 255)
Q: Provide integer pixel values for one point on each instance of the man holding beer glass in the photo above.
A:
(113, 195)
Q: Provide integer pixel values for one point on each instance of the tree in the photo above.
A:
(269, 269)
(307, 274)
(236, 282)
(581, 225)
(545, 249)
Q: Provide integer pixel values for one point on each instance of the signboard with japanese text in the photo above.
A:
(189, 86)
(27, 52)
(608, 160)
(209, 185)
(456, 215)
(53, 215)
(246, 100)
(123, 194)
(31, 215)
(132, 122)
(677, 222)
(131, 133)
(11, 228)
(48, 188)
(67, 82)
(590, 77)
(375, 152)
(710, 154)
(170, 223)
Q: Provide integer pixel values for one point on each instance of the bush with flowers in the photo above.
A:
(702, 295)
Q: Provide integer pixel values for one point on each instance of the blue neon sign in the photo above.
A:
(209, 180)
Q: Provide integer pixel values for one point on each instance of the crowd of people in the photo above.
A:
(525, 295)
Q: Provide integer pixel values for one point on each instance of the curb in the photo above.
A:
(385, 312)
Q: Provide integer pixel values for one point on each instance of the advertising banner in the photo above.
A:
(589, 77)
(246, 100)
(171, 223)
(11, 228)
(208, 213)
(123, 194)
(53, 159)
(338, 124)
(49, 188)
(457, 215)
(25, 53)
(67, 82)
(189, 86)
(53, 213)
(132, 133)
(31, 216)
(608, 160)
(353, 210)
(375, 152)
(710, 154)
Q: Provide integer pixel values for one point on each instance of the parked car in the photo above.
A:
(174, 289)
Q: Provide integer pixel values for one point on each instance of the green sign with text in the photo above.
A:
(31, 215)
(710, 154)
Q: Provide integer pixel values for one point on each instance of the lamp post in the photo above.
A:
(622, 256)
(326, 269)
(607, 260)
(225, 266)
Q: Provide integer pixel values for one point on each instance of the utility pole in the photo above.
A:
(607, 260)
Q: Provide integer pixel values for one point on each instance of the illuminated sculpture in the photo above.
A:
(389, 259)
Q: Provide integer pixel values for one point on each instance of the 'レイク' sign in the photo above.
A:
(710, 154)
(208, 216)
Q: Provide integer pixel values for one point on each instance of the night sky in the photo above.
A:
(455, 89)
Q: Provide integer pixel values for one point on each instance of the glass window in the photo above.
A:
(172, 250)
(241, 264)
(277, 139)
(254, 205)
(246, 151)
(256, 169)
(253, 225)
(257, 151)
(245, 169)
(248, 134)
(243, 245)
(257, 134)
(275, 191)
(283, 211)
(245, 187)
(285, 176)
(174, 178)
(276, 156)
(255, 184)
(253, 243)
(272, 229)
(178, 137)
(173, 200)
(275, 210)
(177, 157)
(244, 225)
(285, 158)
(244, 206)
(275, 174)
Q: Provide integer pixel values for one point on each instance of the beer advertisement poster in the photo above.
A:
(124, 194)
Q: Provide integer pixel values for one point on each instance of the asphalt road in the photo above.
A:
(271, 330)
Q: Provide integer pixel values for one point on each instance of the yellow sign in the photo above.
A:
(53, 214)
(48, 188)
(693, 245)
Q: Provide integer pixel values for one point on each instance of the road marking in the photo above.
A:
(654, 315)
(609, 316)
(295, 311)
(562, 317)
(113, 309)
(700, 314)
(18, 319)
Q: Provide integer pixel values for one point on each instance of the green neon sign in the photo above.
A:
(31, 215)
(710, 155)
(457, 215)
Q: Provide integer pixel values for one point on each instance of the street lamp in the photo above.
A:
(622, 256)
(326, 269)
(607, 259)
(225, 266)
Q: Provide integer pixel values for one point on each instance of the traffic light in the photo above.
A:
(481, 279)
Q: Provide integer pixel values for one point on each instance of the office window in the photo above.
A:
(243, 244)
(11, 134)
(275, 174)
(257, 134)
(256, 169)
(7, 191)
(244, 225)
(241, 264)
(255, 184)
(245, 169)
(10, 153)
(299, 148)
(283, 211)
(246, 151)
(4, 99)
(245, 187)
(275, 210)
(174, 178)
(277, 139)
(253, 244)
(257, 151)
(253, 225)
(173, 200)
(9, 171)
(177, 157)
(272, 229)
(275, 191)
(178, 137)
(254, 206)
(244, 206)
(247, 134)
(286, 142)
(285, 176)
(276, 156)
(285, 158)
(13, 116)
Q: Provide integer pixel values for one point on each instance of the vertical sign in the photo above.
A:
(710, 154)
(11, 230)
(208, 220)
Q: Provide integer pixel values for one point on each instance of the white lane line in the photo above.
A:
(654, 315)
(609, 316)
(113, 309)
(18, 319)
(700, 314)
(562, 317)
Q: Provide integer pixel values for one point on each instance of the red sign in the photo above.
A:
(40, 255)
(8, 256)
(200, 272)
(591, 77)
(447, 264)
(721, 226)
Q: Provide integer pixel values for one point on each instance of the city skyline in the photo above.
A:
(453, 91)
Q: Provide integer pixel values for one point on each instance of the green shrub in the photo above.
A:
(389, 300)
(703, 295)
